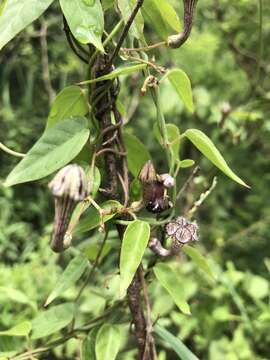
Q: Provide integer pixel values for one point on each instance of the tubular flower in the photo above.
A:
(154, 190)
(68, 188)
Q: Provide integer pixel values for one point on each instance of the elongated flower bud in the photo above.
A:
(68, 188)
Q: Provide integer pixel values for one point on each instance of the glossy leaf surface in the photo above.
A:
(85, 20)
(134, 243)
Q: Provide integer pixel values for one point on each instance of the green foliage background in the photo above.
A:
(230, 317)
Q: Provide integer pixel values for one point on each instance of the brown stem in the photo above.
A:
(138, 319)
(125, 31)
(175, 41)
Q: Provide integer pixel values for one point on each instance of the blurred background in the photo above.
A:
(227, 60)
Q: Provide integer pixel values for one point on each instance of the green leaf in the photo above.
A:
(173, 137)
(69, 102)
(181, 83)
(85, 20)
(199, 260)
(72, 273)
(56, 147)
(168, 14)
(107, 342)
(92, 219)
(17, 15)
(2, 6)
(170, 281)
(52, 320)
(134, 243)
(176, 344)
(208, 149)
(22, 329)
(88, 345)
(121, 70)
(126, 7)
(137, 154)
(152, 15)
(91, 251)
(186, 163)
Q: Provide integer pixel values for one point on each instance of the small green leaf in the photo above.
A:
(17, 15)
(186, 163)
(175, 343)
(69, 102)
(85, 20)
(88, 345)
(208, 149)
(180, 81)
(199, 260)
(92, 219)
(126, 7)
(56, 147)
(137, 154)
(134, 243)
(72, 273)
(173, 137)
(107, 342)
(121, 70)
(52, 320)
(169, 280)
(22, 329)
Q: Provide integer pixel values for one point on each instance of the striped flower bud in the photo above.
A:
(68, 188)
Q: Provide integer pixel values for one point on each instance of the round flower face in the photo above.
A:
(182, 230)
